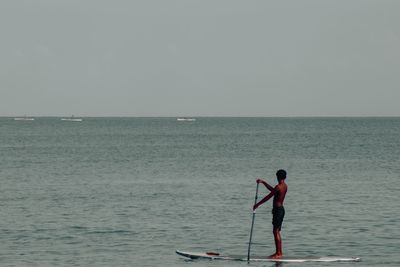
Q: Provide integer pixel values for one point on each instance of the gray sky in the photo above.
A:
(200, 58)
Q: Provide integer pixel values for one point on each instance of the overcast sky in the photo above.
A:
(200, 58)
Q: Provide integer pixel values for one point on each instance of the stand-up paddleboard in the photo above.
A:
(217, 256)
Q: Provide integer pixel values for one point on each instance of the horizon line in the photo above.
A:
(209, 116)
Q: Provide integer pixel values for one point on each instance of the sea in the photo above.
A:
(131, 191)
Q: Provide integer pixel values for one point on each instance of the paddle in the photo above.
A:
(252, 224)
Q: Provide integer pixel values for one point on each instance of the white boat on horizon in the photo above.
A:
(24, 118)
(185, 119)
(72, 118)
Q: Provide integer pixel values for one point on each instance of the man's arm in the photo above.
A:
(270, 188)
(265, 199)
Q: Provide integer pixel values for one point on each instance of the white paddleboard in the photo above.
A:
(216, 256)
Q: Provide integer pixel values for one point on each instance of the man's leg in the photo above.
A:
(277, 219)
(278, 244)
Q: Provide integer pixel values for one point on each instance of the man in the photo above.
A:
(278, 211)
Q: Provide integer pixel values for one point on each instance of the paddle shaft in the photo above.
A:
(252, 224)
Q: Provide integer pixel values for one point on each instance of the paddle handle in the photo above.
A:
(252, 224)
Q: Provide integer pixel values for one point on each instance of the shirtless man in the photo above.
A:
(278, 211)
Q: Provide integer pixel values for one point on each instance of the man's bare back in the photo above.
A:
(280, 193)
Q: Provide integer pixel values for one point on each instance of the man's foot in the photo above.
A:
(275, 256)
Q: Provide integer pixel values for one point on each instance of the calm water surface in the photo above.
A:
(130, 191)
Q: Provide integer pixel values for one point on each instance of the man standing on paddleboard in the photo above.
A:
(278, 211)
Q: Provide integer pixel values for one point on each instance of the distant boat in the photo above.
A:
(185, 119)
(24, 118)
(72, 118)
